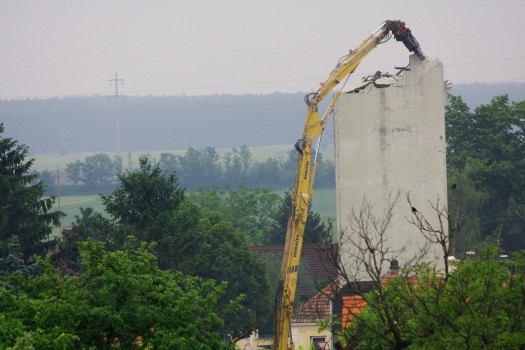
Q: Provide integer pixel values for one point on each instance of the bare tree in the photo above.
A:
(366, 263)
(363, 248)
(443, 230)
(362, 261)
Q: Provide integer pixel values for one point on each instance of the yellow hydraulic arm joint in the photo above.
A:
(304, 178)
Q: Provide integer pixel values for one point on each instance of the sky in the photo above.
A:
(58, 48)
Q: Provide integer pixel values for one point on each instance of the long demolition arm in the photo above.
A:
(302, 192)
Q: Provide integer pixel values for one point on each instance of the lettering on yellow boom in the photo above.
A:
(296, 245)
(306, 169)
(292, 269)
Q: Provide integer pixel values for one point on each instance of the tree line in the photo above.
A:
(156, 123)
(197, 168)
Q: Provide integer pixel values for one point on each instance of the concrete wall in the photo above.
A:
(392, 139)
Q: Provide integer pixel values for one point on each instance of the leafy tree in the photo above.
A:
(268, 174)
(315, 231)
(226, 256)
(210, 163)
(150, 205)
(488, 146)
(199, 167)
(138, 207)
(261, 213)
(168, 162)
(207, 246)
(143, 196)
(90, 225)
(233, 167)
(250, 210)
(479, 306)
(74, 171)
(237, 165)
(23, 211)
(290, 165)
(122, 300)
(246, 157)
(464, 204)
(98, 170)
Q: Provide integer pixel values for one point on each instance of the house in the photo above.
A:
(311, 306)
(305, 327)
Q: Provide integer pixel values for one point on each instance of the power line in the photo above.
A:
(117, 81)
(254, 83)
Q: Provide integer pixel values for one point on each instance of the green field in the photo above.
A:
(323, 203)
(70, 205)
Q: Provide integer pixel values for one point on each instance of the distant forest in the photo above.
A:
(154, 123)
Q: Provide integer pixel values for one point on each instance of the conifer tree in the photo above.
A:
(24, 212)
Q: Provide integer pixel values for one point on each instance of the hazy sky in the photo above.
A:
(171, 47)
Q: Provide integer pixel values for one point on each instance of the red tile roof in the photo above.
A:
(318, 308)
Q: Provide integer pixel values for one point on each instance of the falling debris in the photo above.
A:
(378, 80)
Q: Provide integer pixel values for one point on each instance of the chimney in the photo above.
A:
(394, 268)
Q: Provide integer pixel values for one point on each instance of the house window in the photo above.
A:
(319, 343)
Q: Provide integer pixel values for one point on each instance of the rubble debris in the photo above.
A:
(378, 80)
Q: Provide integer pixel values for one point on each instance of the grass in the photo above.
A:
(71, 205)
(324, 202)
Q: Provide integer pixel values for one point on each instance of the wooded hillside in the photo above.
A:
(153, 123)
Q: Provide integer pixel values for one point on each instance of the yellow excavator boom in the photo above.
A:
(304, 178)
